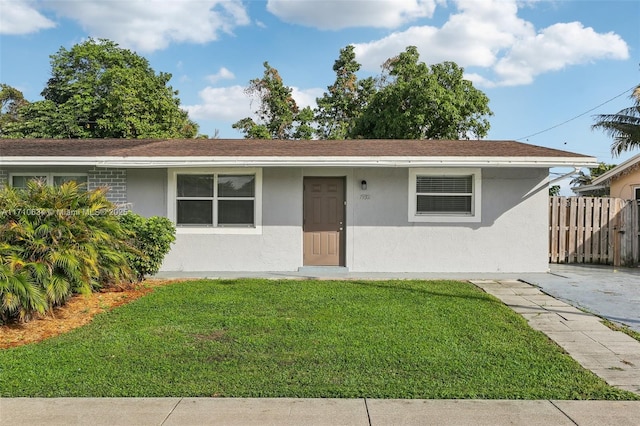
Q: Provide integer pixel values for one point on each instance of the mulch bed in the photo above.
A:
(78, 311)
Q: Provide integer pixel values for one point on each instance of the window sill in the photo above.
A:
(445, 219)
(209, 230)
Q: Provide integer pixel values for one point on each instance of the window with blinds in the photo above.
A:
(444, 195)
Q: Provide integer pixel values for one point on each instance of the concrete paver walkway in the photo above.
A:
(612, 355)
(309, 412)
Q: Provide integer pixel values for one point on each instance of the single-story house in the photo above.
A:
(623, 181)
(279, 205)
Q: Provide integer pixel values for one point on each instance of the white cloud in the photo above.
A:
(306, 97)
(232, 103)
(149, 25)
(338, 14)
(477, 79)
(489, 34)
(555, 48)
(222, 74)
(221, 103)
(21, 17)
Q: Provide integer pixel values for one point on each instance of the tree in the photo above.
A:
(99, 90)
(278, 114)
(416, 101)
(11, 100)
(554, 190)
(623, 127)
(345, 100)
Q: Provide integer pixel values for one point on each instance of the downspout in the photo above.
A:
(575, 170)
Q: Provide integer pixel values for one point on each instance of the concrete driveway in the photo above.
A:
(612, 293)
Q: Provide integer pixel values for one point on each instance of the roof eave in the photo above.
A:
(605, 177)
(382, 161)
(588, 188)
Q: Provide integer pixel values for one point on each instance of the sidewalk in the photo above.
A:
(308, 412)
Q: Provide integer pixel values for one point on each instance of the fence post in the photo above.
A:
(618, 231)
(588, 230)
(607, 235)
(628, 233)
(562, 231)
(597, 231)
(635, 231)
(554, 233)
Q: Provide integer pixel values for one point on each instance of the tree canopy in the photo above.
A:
(278, 114)
(99, 90)
(410, 100)
(417, 101)
(623, 127)
(11, 100)
(343, 103)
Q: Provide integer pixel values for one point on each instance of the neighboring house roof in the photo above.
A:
(604, 180)
(251, 152)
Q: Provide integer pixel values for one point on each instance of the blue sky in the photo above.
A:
(540, 62)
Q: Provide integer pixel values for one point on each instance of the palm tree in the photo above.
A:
(623, 127)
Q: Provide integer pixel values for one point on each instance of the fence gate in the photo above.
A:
(594, 230)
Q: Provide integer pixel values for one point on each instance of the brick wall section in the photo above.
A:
(114, 179)
(4, 178)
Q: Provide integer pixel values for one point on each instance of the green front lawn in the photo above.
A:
(262, 338)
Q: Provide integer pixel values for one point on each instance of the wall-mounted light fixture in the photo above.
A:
(363, 185)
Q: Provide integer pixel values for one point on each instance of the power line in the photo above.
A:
(578, 116)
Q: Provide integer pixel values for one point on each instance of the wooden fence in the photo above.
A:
(594, 230)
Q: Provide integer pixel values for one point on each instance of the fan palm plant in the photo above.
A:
(623, 127)
(20, 294)
(65, 239)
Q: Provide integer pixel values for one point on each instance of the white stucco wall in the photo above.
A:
(512, 236)
(277, 248)
(147, 191)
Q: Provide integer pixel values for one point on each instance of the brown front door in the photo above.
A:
(323, 226)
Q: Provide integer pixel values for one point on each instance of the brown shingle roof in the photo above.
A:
(271, 148)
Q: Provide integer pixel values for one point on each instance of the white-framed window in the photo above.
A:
(445, 195)
(636, 193)
(215, 200)
(19, 180)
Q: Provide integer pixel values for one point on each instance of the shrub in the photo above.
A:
(56, 241)
(152, 238)
(20, 295)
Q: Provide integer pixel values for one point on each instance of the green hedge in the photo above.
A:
(152, 238)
